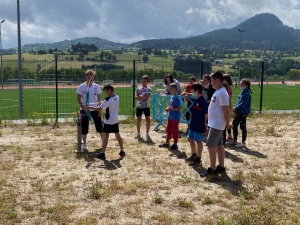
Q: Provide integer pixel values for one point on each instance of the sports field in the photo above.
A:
(41, 102)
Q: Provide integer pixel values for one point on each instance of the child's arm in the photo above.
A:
(98, 108)
(226, 111)
(82, 106)
(145, 97)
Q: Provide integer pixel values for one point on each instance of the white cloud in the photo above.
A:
(132, 20)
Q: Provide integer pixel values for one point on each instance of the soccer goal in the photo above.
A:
(158, 82)
(290, 83)
(235, 80)
(105, 82)
(131, 83)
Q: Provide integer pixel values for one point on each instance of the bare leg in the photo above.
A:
(193, 145)
(105, 141)
(83, 136)
(147, 124)
(221, 154)
(212, 157)
(101, 135)
(138, 124)
(199, 148)
(118, 136)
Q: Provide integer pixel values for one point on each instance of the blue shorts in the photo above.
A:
(195, 136)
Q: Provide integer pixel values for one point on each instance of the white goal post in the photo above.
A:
(105, 82)
(131, 83)
(158, 82)
(290, 83)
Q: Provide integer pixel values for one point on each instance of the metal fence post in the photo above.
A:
(56, 89)
(20, 63)
(133, 89)
(201, 70)
(261, 85)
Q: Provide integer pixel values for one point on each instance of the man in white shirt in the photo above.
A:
(88, 94)
(218, 120)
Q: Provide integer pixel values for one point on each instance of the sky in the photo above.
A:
(128, 21)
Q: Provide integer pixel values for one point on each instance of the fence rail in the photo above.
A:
(49, 86)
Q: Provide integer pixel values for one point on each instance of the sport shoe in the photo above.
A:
(192, 158)
(209, 172)
(164, 145)
(229, 141)
(174, 147)
(220, 169)
(197, 162)
(240, 145)
(122, 153)
(101, 155)
(148, 138)
(84, 147)
(137, 136)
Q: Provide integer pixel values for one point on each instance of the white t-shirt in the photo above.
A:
(141, 91)
(111, 105)
(216, 117)
(94, 91)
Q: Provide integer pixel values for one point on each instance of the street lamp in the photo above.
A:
(241, 32)
(1, 55)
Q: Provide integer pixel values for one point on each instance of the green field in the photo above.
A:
(40, 102)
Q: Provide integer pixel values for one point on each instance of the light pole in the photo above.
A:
(1, 55)
(241, 32)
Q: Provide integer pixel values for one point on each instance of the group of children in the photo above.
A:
(209, 103)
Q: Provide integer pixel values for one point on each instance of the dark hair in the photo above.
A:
(228, 79)
(193, 78)
(217, 75)
(225, 85)
(248, 83)
(109, 87)
(171, 78)
(206, 76)
(145, 77)
(173, 85)
(197, 87)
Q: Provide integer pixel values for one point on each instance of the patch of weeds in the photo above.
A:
(157, 199)
(184, 178)
(86, 221)
(245, 194)
(103, 191)
(223, 221)
(186, 204)
(263, 214)
(58, 213)
(163, 218)
(208, 200)
(238, 177)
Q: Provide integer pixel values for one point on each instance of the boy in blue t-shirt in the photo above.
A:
(197, 125)
(173, 119)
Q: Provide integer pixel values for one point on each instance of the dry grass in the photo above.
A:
(43, 181)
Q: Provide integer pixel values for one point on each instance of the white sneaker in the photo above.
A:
(137, 135)
(84, 147)
(240, 145)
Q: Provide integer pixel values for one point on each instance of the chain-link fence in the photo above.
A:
(48, 88)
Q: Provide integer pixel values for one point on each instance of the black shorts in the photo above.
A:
(111, 128)
(139, 112)
(97, 122)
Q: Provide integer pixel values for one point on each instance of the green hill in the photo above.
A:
(262, 32)
(64, 45)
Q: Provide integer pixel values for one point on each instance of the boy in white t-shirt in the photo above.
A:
(88, 94)
(111, 105)
(218, 120)
(142, 95)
